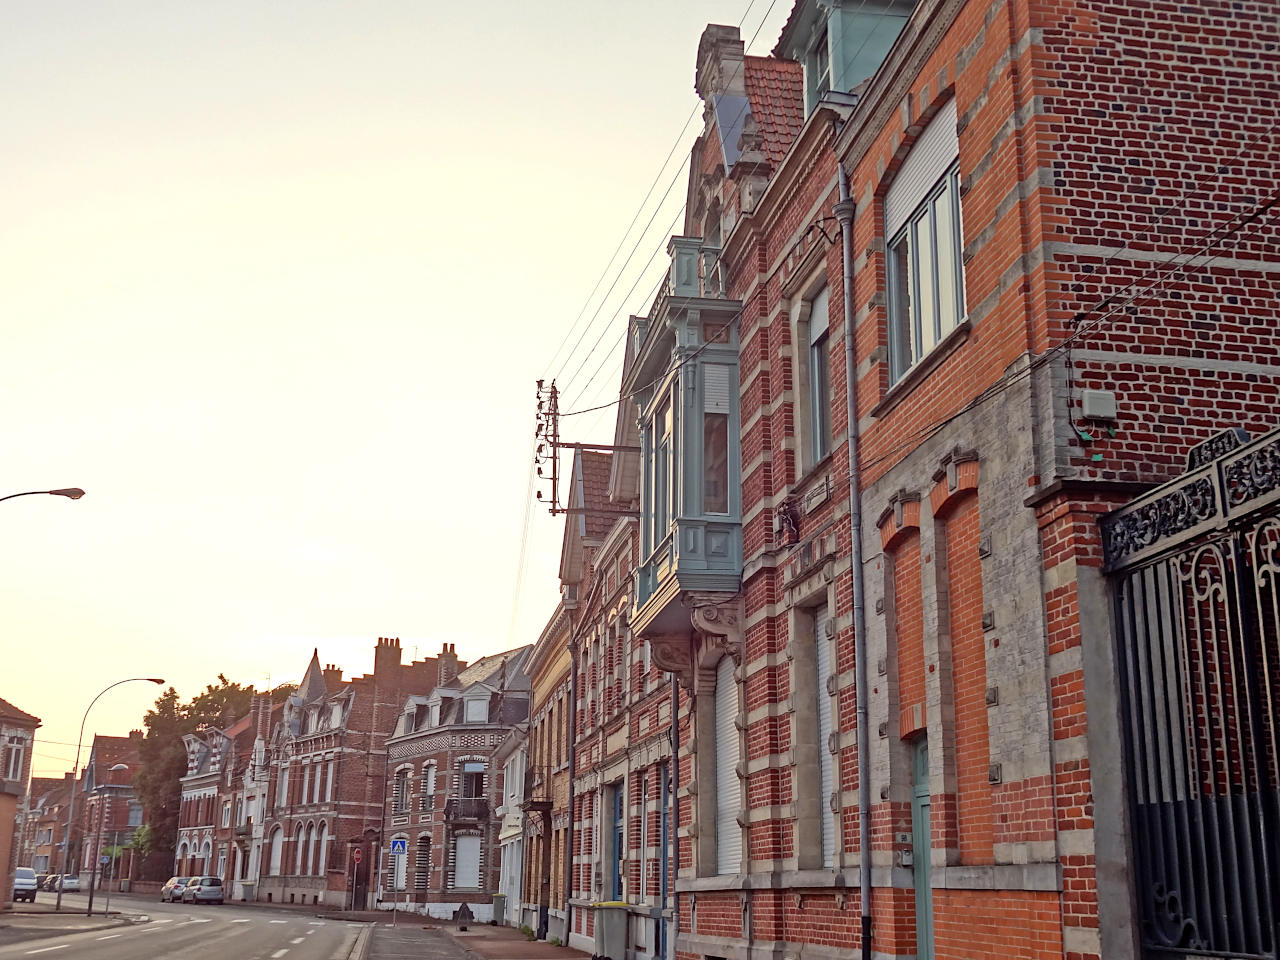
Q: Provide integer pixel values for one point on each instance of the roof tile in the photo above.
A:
(776, 90)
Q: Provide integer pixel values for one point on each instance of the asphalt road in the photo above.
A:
(189, 932)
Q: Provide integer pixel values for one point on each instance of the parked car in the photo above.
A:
(172, 889)
(24, 885)
(203, 890)
(69, 882)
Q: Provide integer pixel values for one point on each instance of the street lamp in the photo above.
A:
(71, 493)
(71, 805)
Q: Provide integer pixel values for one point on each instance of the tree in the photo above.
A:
(163, 758)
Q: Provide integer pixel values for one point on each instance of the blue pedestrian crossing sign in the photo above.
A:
(399, 847)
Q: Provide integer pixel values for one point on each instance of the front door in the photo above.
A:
(920, 850)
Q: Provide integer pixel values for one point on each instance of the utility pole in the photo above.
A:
(546, 455)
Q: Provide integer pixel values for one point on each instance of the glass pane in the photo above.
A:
(820, 397)
(715, 463)
(900, 339)
(927, 280)
(948, 253)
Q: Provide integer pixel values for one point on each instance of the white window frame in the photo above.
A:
(473, 702)
(924, 256)
(819, 362)
(15, 757)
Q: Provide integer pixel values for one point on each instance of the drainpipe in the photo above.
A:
(570, 741)
(674, 826)
(844, 211)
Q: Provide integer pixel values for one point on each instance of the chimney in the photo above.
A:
(386, 657)
(448, 663)
(263, 706)
(332, 676)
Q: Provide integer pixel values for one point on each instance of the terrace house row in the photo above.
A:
(960, 282)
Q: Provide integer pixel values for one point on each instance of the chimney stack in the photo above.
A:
(386, 657)
(448, 663)
(332, 677)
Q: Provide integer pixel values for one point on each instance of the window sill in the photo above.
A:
(912, 378)
(800, 487)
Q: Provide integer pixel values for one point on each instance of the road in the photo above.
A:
(188, 932)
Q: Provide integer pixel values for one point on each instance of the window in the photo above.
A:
(282, 786)
(226, 813)
(15, 754)
(715, 439)
(817, 71)
(819, 369)
(728, 787)
(297, 850)
(400, 792)
(277, 845)
(473, 779)
(239, 811)
(478, 710)
(425, 801)
(328, 795)
(422, 863)
(306, 782)
(466, 861)
(922, 220)
(665, 473)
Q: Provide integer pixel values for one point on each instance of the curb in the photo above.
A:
(360, 948)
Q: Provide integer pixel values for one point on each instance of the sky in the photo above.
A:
(278, 280)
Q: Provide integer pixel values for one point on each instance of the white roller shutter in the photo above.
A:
(930, 157)
(466, 861)
(716, 396)
(728, 787)
(826, 762)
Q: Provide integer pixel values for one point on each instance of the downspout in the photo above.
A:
(844, 211)
(674, 826)
(570, 743)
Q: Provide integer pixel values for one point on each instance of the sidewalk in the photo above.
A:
(481, 941)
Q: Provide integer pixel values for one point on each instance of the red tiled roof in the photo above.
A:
(9, 712)
(595, 491)
(775, 89)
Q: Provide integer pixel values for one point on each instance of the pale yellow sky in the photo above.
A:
(277, 281)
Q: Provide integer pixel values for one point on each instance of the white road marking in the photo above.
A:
(169, 920)
(297, 939)
(110, 936)
(241, 920)
(310, 932)
(61, 946)
(277, 921)
(279, 953)
(316, 923)
(200, 920)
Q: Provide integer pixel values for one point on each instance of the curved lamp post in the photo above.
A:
(71, 805)
(71, 493)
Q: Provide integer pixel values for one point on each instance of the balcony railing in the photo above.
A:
(244, 829)
(537, 788)
(466, 808)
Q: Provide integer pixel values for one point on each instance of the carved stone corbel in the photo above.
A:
(719, 625)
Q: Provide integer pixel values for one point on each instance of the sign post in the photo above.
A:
(399, 850)
(356, 856)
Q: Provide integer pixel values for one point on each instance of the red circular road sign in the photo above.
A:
(357, 855)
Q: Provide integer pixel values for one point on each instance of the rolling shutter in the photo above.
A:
(728, 787)
(466, 863)
(930, 157)
(716, 396)
(826, 762)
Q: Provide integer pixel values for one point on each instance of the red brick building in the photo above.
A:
(327, 779)
(108, 812)
(444, 787)
(44, 824)
(1040, 242)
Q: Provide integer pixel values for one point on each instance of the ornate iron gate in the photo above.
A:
(1195, 578)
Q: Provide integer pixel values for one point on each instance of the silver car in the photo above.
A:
(203, 890)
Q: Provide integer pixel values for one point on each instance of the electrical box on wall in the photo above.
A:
(1098, 404)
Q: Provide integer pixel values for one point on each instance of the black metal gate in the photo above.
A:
(1195, 577)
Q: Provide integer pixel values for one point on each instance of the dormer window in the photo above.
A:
(478, 710)
(817, 70)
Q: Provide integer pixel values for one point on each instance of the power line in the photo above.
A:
(666, 193)
(640, 209)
